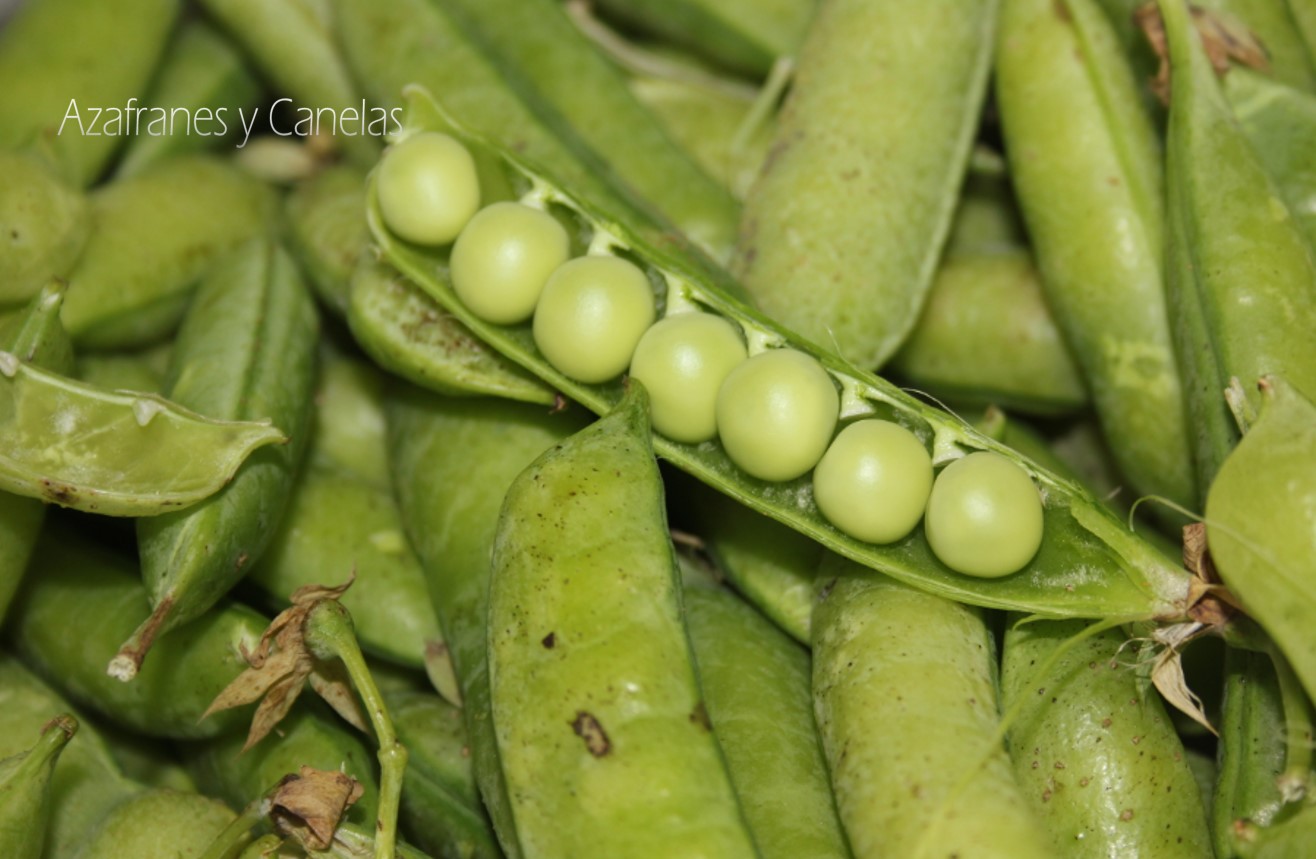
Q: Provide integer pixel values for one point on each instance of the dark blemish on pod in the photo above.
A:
(549, 641)
(591, 731)
(699, 716)
(60, 493)
(1126, 815)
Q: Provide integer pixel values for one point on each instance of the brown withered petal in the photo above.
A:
(310, 805)
(1224, 38)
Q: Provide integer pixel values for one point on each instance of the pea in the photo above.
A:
(428, 188)
(776, 413)
(591, 315)
(683, 361)
(503, 258)
(984, 516)
(874, 481)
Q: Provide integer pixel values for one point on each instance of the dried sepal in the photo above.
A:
(282, 663)
(309, 806)
(1225, 39)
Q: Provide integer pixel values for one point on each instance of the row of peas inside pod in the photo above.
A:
(775, 412)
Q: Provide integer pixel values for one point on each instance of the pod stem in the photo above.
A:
(128, 661)
(55, 735)
(329, 633)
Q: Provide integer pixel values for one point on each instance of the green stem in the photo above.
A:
(329, 632)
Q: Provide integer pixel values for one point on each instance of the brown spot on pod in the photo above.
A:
(591, 731)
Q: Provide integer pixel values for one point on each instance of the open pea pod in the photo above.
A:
(117, 454)
(1089, 565)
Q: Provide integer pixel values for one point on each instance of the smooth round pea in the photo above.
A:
(776, 413)
(873, 482)
(428, 188)
(591, 315)
(984, 516)
(682, 362)
(503, 258)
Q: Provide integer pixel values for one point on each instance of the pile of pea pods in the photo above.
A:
(608, 428)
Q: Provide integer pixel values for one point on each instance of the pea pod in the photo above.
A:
(326, 231)
(349, 435)
(1074, 120)
(45, 222)
(86, 784)
(453, 461)
(110, 453)
(292, 43)
(756, 686)
(1099, 762)
(1261, 522)
(158, 824)
(1241, 277)
(145, 760)
(78, 586)
(905, 698)
(441, 809)
(578, 94)
(1081, 537)
(309, 736)
(70, 70)
(1254, 749)
(126, 293)
(247, 350)
(987, 219)
(744, 36)
(202, 85)
(592, 681)
(708, 122)
(846, 255)
(986, 337)
(335, 526)
(25, 790)
(1280, 123)
(405, 332)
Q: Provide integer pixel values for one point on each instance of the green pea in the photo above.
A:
(776, 413)
(683, 361)
(503, 258)
(984, 516)
(591, 315)
(874, 481)
(428, 188)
